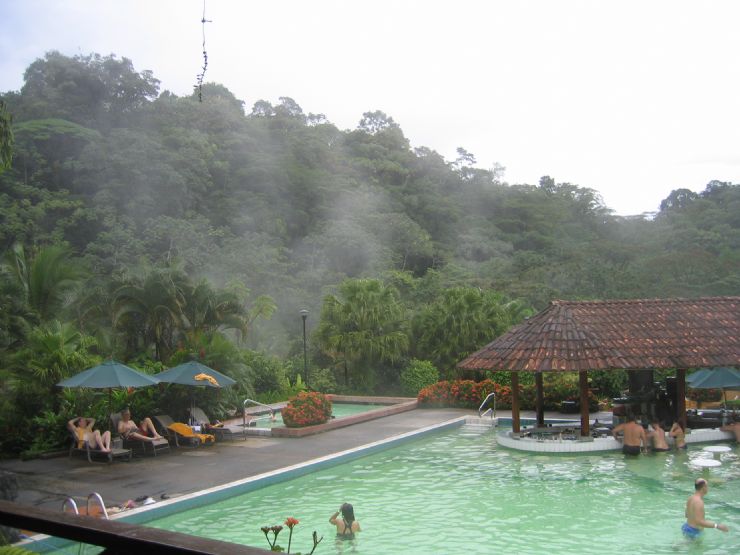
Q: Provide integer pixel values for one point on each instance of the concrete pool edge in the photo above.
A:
(401, 405)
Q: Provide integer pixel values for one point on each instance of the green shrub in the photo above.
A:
(417, 375)
(323, 380)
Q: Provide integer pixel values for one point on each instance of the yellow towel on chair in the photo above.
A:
(187, 431)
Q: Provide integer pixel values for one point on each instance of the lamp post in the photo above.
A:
(304, 315)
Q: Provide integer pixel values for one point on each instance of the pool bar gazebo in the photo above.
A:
(633, 335)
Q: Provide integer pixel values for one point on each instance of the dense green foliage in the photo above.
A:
(418, 375)
(157, 228)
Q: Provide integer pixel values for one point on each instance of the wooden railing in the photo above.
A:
(116, 536)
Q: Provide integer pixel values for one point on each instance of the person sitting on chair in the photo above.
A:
(145, 431)
(82, 428)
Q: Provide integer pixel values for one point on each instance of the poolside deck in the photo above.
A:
(46, 483)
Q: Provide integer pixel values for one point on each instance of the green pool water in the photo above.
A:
(459, 493)
(338, 410)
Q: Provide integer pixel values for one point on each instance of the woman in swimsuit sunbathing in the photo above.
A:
(82, 428)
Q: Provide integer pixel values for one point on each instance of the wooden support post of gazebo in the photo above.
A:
(583, 383)
(515, 424)
(681, 396)
(540, 399)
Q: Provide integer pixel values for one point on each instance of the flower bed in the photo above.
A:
(470, 394)
(308, 408)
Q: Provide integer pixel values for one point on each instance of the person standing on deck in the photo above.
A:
(695, 521)
(634, 436)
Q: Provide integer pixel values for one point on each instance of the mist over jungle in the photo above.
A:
(277, 210)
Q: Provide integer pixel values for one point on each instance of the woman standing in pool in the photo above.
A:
(678, 435)
(347, 527)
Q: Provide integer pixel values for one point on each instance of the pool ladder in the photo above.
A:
(492, 411)
(69, 505)
(244, 412)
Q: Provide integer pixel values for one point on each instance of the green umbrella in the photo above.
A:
(108, 375)
(194, 373)
(186, 373)
(715, 378)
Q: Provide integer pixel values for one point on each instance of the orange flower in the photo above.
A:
(290, 522)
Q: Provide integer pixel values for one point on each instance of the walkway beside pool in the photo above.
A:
(46, 483)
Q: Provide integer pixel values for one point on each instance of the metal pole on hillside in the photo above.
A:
(304, 315)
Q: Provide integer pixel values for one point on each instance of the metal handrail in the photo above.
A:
(483, 404)
(244, 411)
(96, 496)
(71, 502)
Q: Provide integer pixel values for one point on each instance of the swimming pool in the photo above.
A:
(456, 492)
(338, 410)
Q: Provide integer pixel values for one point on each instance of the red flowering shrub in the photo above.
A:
(470, 394)
(306, 409)
(704, 395)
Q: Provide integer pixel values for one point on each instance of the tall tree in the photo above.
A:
(362, 326)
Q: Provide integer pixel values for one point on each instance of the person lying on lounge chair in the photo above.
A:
(82, 428)
(145, 431)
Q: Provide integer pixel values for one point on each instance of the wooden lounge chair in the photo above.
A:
(83, 447)
(179, 433)
(139, 445)
(221, 431)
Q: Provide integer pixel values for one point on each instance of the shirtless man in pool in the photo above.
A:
(634, 435)
(695, 521)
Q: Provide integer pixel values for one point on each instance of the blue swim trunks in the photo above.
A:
(690, 532)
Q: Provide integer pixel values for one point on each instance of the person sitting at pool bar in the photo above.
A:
(734, 428)
(657, 437)
(634, 436)
(679, 435)
(695, 521)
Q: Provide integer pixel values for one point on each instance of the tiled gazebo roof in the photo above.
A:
(629, 334)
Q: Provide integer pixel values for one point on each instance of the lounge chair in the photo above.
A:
(177, 432)
(78, 446)
(221, 431)
(140, 445)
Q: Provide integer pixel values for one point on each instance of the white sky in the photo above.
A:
(631, 98)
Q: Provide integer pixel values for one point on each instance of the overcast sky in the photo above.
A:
(631, 98)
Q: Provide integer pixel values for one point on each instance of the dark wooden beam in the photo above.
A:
(681, 396)
(540, 400)
(515, 425)
(583, 383)
(116, 536)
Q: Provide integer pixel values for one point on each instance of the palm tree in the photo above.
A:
(461, 321)
(363, 325)
(57, 351)
(208, 309)
(47, 281)
(150, 310)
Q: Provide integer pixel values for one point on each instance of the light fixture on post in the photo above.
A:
(304, 315)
